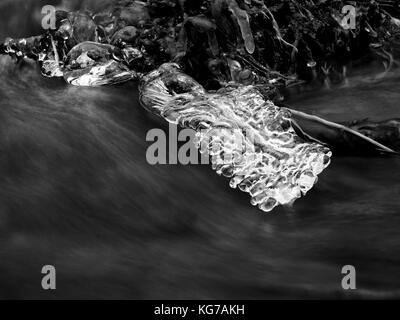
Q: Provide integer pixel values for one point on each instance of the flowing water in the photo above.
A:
(76, 192)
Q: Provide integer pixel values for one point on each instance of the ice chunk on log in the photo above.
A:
(249, 139)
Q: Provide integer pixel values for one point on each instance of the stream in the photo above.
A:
(77, 193)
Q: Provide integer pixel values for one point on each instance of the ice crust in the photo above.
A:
(248, 138)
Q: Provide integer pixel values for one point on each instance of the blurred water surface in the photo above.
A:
(76, 192)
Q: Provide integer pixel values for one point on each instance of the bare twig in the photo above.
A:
(56, 56)
(343, 128)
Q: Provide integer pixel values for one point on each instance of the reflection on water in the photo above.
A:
(76, 192)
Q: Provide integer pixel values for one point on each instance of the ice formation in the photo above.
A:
(249, 139)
